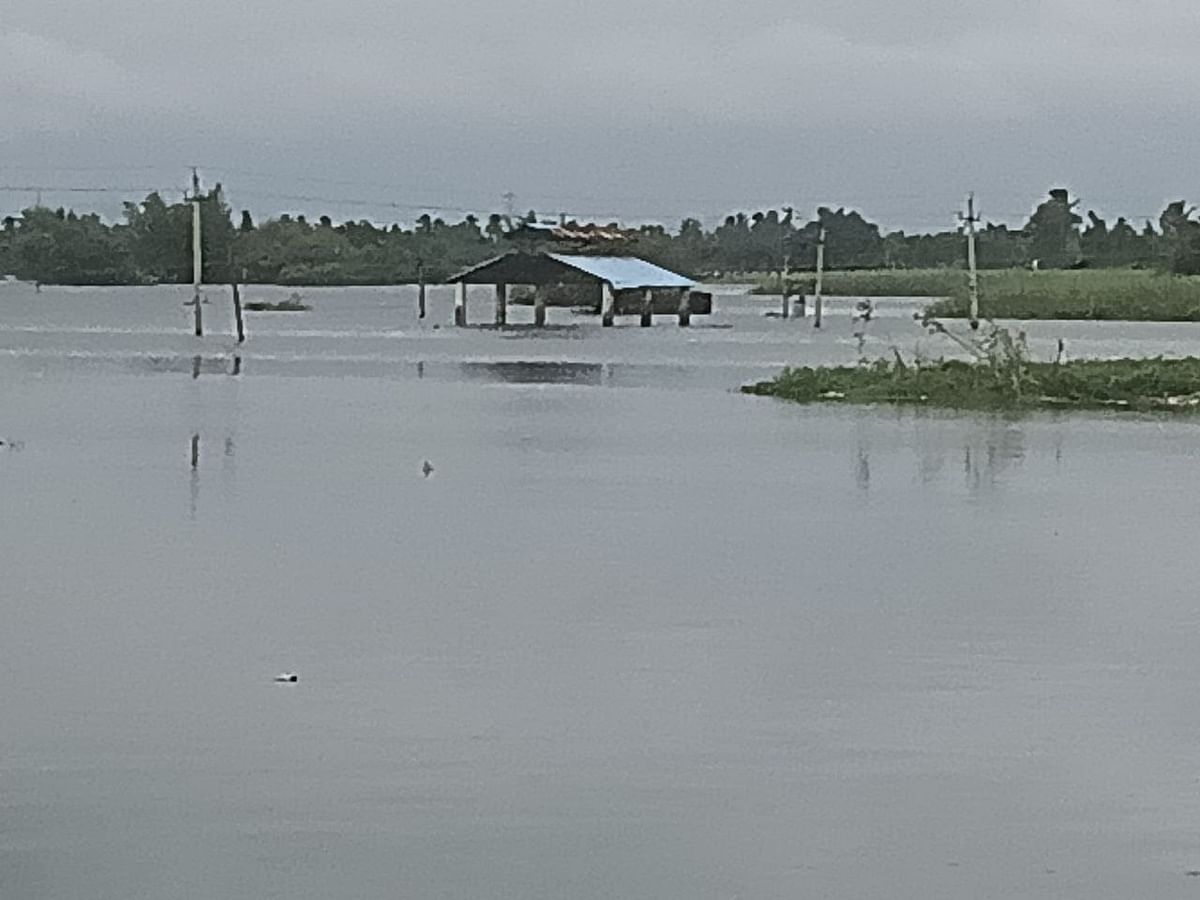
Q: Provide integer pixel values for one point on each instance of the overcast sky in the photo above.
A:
(630, 109)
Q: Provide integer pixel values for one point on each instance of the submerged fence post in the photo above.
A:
(420, 291)
(239, 322)
(539, 307)
(501, 305)
(648, 308)
(460, 304)
(608, 305)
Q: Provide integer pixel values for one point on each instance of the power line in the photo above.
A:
(35, 188)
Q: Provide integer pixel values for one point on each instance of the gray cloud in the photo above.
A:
(635, 109)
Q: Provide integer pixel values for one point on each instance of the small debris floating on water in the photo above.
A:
(287, 678)
(427, 468)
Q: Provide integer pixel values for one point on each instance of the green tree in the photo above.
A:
(1053, 232)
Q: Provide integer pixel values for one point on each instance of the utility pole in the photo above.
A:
(817, 300)
(786, 312)
(420, 289)
(973, 275)
(785, 229)
(197, 251)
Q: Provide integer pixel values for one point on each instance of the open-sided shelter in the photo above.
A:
(613, 277)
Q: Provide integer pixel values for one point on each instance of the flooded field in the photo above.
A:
(635, 635)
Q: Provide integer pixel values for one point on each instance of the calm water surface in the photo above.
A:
(637, 636)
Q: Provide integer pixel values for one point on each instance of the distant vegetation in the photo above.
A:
(152, 244)
(1000, 376)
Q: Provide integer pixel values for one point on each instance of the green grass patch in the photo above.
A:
(1099, 294)
(871, 283)
(1114, 294)
(1135, 384)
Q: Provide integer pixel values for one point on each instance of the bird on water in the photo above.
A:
(287, 678)
(427, 468)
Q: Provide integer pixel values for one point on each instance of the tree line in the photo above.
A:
(152, 244)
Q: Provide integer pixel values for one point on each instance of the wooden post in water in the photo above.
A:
(420, 290)
(460, 304)
(197, 262)
(608, 305)
(685, 308)
(501, 305)
(195, 451)
(539, 306)
(818, 301)
(648, 308)
(786, 311)
(238, 320)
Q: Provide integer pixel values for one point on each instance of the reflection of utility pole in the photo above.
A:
(194, 483)
(973, 276)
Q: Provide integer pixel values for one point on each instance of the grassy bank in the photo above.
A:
(873, 283)
(1131, 294)
(1135, 384)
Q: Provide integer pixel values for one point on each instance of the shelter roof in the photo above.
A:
(622, 272)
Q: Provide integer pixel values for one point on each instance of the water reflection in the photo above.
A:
(230, 366)
(989, 454)
(985, 451)
(540, 372)
(862, 471)
(228, 460)
(194, 480)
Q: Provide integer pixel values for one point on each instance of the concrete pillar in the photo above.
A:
(501, 304)
(539, 307)
(648, 308)
(685, 309)
(608, 306)
(460, 304)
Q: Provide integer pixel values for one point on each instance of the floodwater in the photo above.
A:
(635, 636)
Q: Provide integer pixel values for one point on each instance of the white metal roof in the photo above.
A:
(624, 272)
